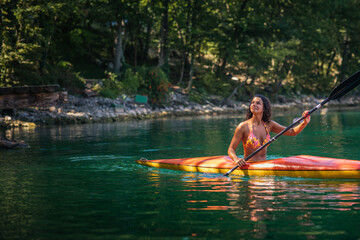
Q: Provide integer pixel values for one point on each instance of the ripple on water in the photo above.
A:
(98, 158)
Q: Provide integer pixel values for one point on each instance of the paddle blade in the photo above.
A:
(346, 86)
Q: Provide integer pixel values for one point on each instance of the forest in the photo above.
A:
(230, 48)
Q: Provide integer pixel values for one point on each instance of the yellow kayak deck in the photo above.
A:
(297, 166)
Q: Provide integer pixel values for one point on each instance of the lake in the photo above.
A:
(82, 182)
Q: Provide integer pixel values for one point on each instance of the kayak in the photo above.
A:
(295, 166)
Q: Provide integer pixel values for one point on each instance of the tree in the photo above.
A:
(164, 45)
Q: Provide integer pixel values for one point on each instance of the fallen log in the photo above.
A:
(12, 144)
(31, 96)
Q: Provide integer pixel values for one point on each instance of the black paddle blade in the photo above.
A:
(346, 86)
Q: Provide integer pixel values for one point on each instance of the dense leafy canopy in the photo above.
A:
(274, 46)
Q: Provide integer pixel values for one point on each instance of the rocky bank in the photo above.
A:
(80, 110)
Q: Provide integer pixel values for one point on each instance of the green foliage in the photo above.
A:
(20, 46)
(63, 74)
(111, 86)
(196, 97)
(212, 84)
(209, 80)
(281, 46)
(131, 82)
(151, 81)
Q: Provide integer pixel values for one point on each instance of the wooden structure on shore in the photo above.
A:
(31, 96)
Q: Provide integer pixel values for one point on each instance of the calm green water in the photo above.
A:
(81, 182)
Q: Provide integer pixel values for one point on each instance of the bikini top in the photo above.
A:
(253, 142)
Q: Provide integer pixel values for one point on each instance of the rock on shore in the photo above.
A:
(79, 110)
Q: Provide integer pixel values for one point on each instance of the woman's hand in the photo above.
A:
(307, 116)
(240, 162)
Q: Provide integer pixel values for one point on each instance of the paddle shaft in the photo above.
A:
(279, 134)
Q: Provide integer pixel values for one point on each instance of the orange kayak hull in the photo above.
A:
(296, 166)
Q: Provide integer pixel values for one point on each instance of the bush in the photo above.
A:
(111, 86)
(196, 97)
(63, 74)
(152, 82)
(209, 83)
(131, 82)
(158, 85)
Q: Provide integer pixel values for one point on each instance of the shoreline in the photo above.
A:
(79, 110)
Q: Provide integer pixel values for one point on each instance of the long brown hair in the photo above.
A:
(267, 109)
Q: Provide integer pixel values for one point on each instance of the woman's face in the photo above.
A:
(257, 105)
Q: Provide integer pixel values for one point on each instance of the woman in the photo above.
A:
(254, 131)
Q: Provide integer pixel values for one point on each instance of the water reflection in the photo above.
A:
(263, 200)
(256, 193)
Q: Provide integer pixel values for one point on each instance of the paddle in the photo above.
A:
(344, 87)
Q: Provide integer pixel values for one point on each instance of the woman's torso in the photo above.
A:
(254, 138)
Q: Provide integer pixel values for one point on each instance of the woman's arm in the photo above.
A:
(277, 128)
(235, 141)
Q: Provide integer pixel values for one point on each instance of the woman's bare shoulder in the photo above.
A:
(243, 125)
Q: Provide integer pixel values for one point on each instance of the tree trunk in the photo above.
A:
(135, 53)
(47, 47)
(192, 39)
(344, 59)
(222, 68)
(330, 63)
(147, 43)
(186, 40)
(234, 92)
(119, 52)
(191, 72)
(182, 69)
(163, 56)
(279, 78)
